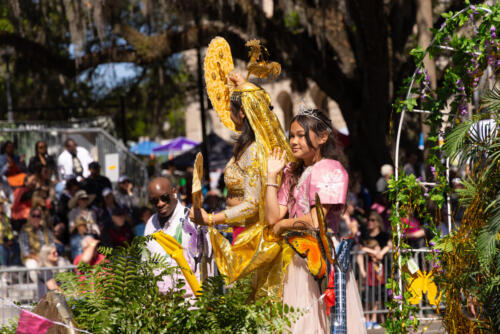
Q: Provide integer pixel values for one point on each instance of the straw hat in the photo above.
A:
(78, 221)
(79, 195)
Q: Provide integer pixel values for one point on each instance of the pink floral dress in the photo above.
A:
(329, 180)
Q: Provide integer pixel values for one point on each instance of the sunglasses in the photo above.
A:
(165, 198)
(36, 216)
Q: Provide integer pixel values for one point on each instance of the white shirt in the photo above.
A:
(65, 163)
(180, 227)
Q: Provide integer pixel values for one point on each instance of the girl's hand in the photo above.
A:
(198, 216)
(275, 162)
(280, 227)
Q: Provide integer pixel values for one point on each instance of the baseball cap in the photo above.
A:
(119, 211)
(94, 165)
(123, 178)
(106, 192)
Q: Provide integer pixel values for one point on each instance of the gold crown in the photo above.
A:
(221, 83)
(258, 64)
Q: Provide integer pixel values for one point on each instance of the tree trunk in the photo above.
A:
(367, 119)
(424, 24)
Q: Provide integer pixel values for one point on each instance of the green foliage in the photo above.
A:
(122, 296)
(292, 21)
(10, 327)
(491, 99)
(472, 51)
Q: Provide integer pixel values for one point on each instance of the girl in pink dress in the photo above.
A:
(316, 170)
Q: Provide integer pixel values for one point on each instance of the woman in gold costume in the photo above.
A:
(247, 110)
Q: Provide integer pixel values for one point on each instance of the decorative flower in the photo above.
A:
(433, 170)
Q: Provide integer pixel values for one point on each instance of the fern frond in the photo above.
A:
(488, 240)
(468, 192)
(455, 140)
(491, 100)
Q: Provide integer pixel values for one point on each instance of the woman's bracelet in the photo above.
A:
(275, 185)
(210, 220)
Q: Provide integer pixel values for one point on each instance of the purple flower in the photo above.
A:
(432, 243)
(443, 24)
(426, 194)
(411, 318)
(433, 170)
(420, 179)
(463, 109)
(389, 292)
(493, 32)
(419, 71)
(458, 82)
(398, 297)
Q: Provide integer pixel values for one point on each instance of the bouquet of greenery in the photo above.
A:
(121, 295)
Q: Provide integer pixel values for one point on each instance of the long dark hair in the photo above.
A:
(318, 123)
(247, 136)
(5, 144)
(36, 146)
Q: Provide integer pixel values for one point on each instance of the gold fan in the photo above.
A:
(218, 64)
(197, 180)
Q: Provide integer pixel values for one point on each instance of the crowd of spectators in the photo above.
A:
(55, 211)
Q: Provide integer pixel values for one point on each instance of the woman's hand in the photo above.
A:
(198, 216)
(275, 163)
(236, 78)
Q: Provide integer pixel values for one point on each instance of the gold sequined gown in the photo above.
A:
(249, 252)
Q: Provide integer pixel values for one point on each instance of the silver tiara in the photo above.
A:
(305, 110)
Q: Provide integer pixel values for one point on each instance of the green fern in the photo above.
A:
(121, 296)
(488, 240)
(491, 100)
(456, 139)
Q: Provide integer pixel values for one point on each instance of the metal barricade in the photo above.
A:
(371, 283)
(20, 285)
(16, 285)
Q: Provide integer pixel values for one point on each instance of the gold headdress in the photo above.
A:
(221, 80)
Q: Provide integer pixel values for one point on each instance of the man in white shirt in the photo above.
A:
(172, 218)
(74, 161)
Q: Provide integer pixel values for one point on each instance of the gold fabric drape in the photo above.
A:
(251, 252)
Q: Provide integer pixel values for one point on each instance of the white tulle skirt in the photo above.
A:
(301, 290)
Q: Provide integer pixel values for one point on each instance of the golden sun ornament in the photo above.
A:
(218, 64)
